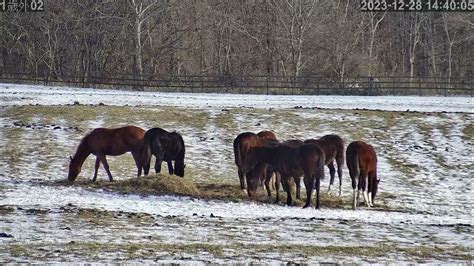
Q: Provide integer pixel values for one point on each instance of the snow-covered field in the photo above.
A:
(425, 162)
(46, 95)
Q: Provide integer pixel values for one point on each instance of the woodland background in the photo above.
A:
(156, 39)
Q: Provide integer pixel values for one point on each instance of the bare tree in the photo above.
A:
(374, 21)
(296, 18)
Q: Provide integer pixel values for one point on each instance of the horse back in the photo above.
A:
(294, 143)
(265, 134)
(332, 145)
(114, 141)
(313, 158)
(364, 154)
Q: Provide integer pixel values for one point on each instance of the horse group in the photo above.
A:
(165, 146)
(258, 157)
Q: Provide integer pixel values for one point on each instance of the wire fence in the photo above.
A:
(301, 85)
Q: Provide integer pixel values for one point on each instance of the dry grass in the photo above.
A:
(163, 184)
(146, 185)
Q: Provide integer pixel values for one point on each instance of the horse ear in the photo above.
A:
(184, 166)
(70, 158)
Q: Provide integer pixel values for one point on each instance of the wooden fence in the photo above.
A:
(305, 85)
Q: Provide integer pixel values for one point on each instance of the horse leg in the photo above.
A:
(170, 167)
(138, 162)
(277, 186)
(365, 189)
(106, 166)
(298, 187)
(158, 163)
(243, 186)
(286, 183)
(97, 164)
(268, 179)
(308, 183)
(318, 186)
(354, 179)
(339, 174)
(332, 173)
(369, 189)
(146, 166)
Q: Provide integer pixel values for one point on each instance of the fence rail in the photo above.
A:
(304, 85)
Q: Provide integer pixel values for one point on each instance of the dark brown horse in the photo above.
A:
(107, 141)
(165, 146)
(362, 163)
(333, 147)
(244, 143)
(306, 160)
(263, 172)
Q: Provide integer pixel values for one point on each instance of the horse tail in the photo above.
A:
(237, 153)
(352, 161)
(146, 148)
(321, 164)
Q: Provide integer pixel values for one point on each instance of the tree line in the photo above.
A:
(151, 38)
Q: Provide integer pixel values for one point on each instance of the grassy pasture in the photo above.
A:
(414, 148)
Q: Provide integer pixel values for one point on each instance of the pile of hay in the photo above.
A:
(148, 185)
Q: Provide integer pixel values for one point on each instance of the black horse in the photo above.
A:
(166, 147)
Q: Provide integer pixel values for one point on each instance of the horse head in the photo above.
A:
(179, 167)
(250, 160)
(74, 169)
(375, 187)
(252, 184)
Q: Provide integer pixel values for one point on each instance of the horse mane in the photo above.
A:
(181, 141)
(82, 144)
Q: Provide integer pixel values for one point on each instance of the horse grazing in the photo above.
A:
(333, 147)
(107, 141)
(306, 160)
(166, 147)
(264, 172)
(244, 143)
(362, 163)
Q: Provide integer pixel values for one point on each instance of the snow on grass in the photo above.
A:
(425, 164)
(13, 94)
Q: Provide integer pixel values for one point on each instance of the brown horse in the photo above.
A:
(333, 147)
(306, 160)
(245, 142)
(362, 163)
(107, 141)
